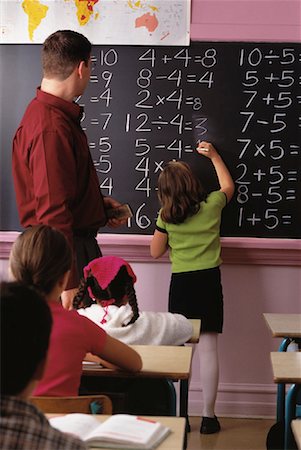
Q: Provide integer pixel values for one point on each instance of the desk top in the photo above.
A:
(174, 440)
(284, 325)
(159, 361)
(286, 367)
(296, 427)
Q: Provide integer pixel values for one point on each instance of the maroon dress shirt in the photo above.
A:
(54, 177)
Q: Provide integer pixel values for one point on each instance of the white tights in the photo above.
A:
(209, 370)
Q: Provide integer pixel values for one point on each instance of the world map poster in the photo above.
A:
(106, 22)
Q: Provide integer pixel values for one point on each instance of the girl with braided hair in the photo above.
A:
(109, 280)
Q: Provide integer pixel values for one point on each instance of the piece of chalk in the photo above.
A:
(204, 149)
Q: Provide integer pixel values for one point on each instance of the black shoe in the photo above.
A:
(210, 425)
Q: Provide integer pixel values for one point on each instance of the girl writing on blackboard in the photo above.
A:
(110, 283)
(41, 258)
(189, 226)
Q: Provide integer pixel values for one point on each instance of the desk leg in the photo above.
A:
(172, 398)
(183, 398)
(284, 344)
(184, 406)
(281, 386)
(290, 414)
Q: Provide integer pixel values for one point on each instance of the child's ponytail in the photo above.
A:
(78, 301)
(132, 299)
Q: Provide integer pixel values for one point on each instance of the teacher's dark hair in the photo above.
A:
(62, 52)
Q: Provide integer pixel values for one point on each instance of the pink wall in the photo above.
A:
(246, 20)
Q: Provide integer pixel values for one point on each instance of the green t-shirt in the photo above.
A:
(195, 243)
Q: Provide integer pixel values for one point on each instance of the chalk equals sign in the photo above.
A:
(294, 149)
(292, 175)
(286, 219)
(93, 79)
(94, 99)
(198, 59)
(189, 100)
(188, 149)
(298, 97)
(290, 194)
(92, 145)
(94, 122)
(188, 126)
(191, 78)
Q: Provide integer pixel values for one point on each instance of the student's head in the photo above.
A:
(40, 257)
(109, 280)
(179, 191)
(62, 52)
(25, 329)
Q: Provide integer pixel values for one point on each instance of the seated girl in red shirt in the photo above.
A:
(41, 257)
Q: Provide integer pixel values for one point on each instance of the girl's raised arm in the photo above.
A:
(224, 177)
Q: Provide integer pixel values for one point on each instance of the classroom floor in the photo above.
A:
(236, 434)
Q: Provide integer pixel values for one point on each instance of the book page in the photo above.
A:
(80, 425)
(126, 428)
(119, 430)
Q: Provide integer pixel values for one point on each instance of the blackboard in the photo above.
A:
(148, 105)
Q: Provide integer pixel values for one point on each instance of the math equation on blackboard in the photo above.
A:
(146, 106)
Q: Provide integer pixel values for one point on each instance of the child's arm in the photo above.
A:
(116, 354)
(158, 244)
(224, 177)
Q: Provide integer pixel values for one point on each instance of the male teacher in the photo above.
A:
(54, 177)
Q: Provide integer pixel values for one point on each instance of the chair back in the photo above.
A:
(87, 404)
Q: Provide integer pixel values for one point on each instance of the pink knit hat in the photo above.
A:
(105, 269)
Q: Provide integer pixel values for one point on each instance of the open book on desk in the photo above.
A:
(122, 431)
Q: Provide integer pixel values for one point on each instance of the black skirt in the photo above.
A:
(198, 295)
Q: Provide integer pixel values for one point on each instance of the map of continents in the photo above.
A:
(37, 11)
(113, 22)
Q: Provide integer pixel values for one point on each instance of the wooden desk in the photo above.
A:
(171, 363)
(296, 427)
(174, 441)
(284, 325)
(288, 327)
(158, 361)
(287, 369)
(196, 324)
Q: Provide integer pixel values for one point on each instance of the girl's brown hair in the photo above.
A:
(120, 287)
(179, 191)
(39, 257)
